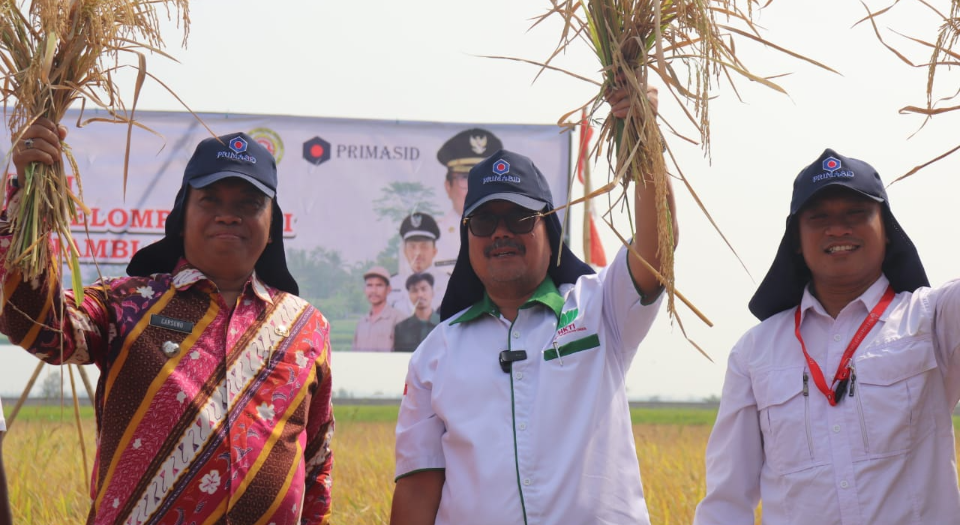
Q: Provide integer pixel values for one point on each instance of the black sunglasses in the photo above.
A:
(484, 224)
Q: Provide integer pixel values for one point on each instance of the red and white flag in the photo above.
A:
(595, 255)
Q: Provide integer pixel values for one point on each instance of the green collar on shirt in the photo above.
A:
(546, 294)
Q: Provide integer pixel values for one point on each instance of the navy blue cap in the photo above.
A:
(507, 176)
(833, 169)
(782, 287)
(511, 177)
(234, 155)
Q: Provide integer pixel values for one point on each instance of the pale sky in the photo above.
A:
(420, 60)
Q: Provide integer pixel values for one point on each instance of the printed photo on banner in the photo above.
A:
(372, 209)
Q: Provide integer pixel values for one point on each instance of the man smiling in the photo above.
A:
(214, 399)
(837, 408)
(515, 408)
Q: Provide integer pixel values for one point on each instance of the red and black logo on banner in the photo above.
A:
(316, 151)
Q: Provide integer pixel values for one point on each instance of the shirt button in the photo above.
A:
(844, 484)
(836, 428)
(526, 481)
(516, 335)
(836, 337)
(518, 375)
(522, 426)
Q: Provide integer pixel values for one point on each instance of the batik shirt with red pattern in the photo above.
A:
(224, 418)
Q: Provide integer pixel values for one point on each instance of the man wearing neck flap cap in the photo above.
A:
(514, 408)
(837, 408)
(206, 354)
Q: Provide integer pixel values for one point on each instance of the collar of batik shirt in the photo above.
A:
(186, 275)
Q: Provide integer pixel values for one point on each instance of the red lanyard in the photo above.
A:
(843, 371)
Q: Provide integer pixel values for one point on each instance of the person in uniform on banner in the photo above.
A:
(214, 398)
(374, 332)
(410, 332)
(458, 154)
(419, 234)
(515, 406)
(837, 408)
(6, 516)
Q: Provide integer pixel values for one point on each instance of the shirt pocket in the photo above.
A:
(785, 420)
(571, 347)
(892, 383)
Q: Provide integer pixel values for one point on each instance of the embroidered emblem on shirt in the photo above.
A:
(566, 318)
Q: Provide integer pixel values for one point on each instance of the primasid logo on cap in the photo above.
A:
(500, 169)
(831, 170)
(238, 146)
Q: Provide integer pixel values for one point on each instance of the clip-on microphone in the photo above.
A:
(507, 357)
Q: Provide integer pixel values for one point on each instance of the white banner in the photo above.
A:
(345, 187)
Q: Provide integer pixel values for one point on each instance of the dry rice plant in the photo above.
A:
(943, 57)
(684, 44)
(45, 475)
(47, 481)
(672, 469)
(363, 473)
(52, 54)
(47, 485)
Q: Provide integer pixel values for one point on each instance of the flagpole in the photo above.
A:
(587, 215)
(584, 166)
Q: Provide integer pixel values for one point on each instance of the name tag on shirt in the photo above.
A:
(170, 323)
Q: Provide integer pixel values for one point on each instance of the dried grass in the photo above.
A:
(690, 46)
(54, 53)
(943, 56)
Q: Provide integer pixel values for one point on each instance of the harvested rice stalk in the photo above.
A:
(632, 40)
(53, 53)
(944, 55)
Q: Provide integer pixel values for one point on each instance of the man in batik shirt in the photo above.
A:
(213, 404)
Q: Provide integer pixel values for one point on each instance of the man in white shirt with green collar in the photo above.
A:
(515, 410)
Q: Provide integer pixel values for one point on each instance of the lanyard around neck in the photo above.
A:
(839, 386)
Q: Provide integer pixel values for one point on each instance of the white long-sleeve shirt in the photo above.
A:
(884, 455)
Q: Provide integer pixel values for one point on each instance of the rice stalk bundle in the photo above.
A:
(54, 53)
(944, 56)
(689, 45)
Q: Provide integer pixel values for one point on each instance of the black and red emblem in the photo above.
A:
(316, 151)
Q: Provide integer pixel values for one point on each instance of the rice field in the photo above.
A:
(47, 484)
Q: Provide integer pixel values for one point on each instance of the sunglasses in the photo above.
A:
(484, 224)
